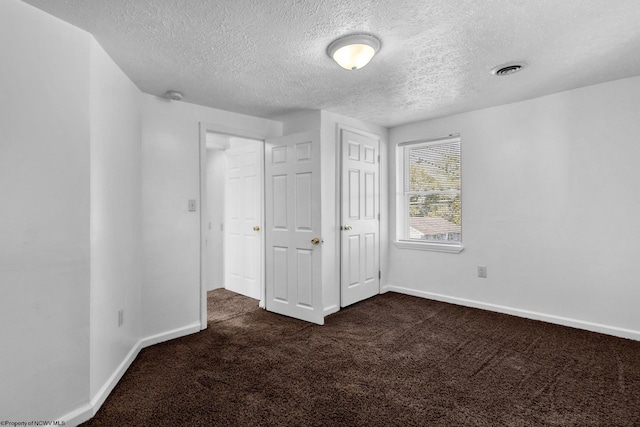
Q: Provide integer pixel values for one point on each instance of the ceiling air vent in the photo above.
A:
(507, 69)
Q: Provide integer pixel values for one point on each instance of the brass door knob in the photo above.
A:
(347, 227)
(315, 241)
(256, 228)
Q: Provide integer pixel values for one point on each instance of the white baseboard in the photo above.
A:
(169, 335)
(107, 387)
(331, 309)
(87, 411)
(78, 416)
(559, 320)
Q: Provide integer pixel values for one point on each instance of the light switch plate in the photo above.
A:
(482, 271)
(192, 205)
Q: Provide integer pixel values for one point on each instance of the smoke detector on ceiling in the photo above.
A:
(508, 69)
(173, 95)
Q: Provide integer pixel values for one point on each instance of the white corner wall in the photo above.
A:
(44, 215)
(171, 234)
(116, 234)
(549, 205)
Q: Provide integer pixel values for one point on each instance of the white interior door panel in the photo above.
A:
(360, 229)
(293, 234)
(243, 218)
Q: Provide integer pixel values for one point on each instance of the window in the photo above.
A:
(429, 195)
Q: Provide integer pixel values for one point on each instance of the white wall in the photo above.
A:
(216, 206)
(115, 219)
(70, 246)
(549, 205)
(171, 152)
(44, 214)
(300, 121)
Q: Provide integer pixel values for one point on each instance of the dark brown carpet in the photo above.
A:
(391, 360)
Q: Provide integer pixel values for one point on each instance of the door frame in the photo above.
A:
(339, 177)
(204, 128)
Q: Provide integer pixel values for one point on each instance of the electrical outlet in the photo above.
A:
(120, 317)
(482, 271)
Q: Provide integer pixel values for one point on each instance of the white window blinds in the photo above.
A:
(431, 191)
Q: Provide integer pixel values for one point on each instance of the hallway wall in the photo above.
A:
(171, 234)
(116, 211)
(44, 214)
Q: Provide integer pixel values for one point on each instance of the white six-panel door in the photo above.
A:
(243, 218)
(293, 234)
(360, 258)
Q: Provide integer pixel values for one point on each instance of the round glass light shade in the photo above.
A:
(353, 52)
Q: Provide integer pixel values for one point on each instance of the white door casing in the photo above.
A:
(243, 218)
(360, 224)
(292, 193)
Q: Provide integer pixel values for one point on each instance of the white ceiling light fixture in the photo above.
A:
(355, 51)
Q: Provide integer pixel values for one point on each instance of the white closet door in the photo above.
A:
(360, 230)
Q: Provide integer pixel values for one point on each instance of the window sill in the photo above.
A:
(428, 246)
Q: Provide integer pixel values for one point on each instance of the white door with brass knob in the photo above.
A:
(360, 246)
(293, 234)
(244, 257)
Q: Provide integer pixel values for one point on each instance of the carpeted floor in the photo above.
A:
(393, 360)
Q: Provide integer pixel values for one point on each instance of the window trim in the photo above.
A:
(401, 165)
(451, 248)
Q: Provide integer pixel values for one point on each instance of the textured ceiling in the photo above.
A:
(266, 58)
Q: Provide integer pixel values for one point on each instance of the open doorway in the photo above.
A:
(232, 214)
